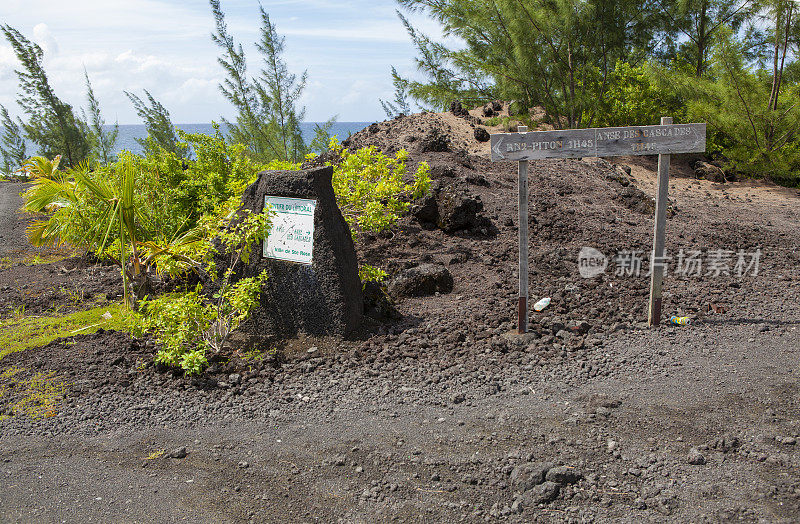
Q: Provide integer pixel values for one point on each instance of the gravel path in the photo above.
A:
(628, 432)
(10, 202)
(444, 416)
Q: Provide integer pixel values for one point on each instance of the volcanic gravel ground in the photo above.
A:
(445, 415)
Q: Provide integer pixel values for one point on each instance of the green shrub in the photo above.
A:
(369, 273)
(187, 325)
(370, 189)
(637, 95)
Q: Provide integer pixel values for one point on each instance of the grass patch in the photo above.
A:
(25, 332)
(35, 396)
(47, 258)
(35, 259)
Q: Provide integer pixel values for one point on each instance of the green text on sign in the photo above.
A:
(291, 235)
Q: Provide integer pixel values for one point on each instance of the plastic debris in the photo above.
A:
(679, 321)
(543, 303)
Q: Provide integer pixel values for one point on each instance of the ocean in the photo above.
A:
(126, 140)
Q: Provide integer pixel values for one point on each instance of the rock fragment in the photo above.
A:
(526, 476)
(564, 475)
(425, 279)
(695, 457)
(541, 494)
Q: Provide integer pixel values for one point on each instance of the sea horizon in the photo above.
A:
(129, 133)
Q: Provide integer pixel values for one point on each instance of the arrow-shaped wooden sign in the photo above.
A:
(598, 142)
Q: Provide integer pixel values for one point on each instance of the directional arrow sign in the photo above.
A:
(497, 153)
(598, 142)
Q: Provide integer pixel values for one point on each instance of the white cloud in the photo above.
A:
(45, 39)
(164, 46)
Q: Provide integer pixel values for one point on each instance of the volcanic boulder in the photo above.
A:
(377, 305)
(481, 134)
(458, 210)
(457, 109)
(709, 172)
(637, 200)
(526, 476)
(425, 279)
(426, 210)
(323, 298)
(435, 142)
(541, 494)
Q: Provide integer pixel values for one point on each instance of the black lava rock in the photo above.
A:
(426, 209)
(457, 109)
(323, 298)
(637, 200)
(178, 453)
(435, 142)
(458, 210)
(422, 280)
(564, 475)
(377, 304)
(481, 134)
(526, 476)
(541, 494)
(695, 457)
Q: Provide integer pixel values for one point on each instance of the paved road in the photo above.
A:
(12, 225)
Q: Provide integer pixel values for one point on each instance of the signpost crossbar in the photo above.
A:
(662, 140)
(598, 142)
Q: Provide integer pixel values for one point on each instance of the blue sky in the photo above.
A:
(164, 46)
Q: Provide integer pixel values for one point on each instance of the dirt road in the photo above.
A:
(10, 202)
(442, 416)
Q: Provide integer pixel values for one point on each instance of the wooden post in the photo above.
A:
(657, 262)
(522, 306)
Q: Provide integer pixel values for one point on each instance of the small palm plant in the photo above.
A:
(102, 214)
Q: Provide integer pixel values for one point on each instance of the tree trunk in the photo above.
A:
(702, 41)
(571, 87)
(783, 55)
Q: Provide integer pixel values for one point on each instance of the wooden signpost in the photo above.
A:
(661, 140)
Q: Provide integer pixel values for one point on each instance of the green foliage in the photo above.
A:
(179, 321)
(400, 105)
(102, 141)
(556, 55)
(268, 118)
(638, 95)
(52, 125)
(448, 74)
(693, 27)
(508, 123)
(322, 137)
(24, 332)
(160, 131)
(145, 213)
(369, 186)
(369, 273)
(12, 145)
(187, 325)
(758, 136)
